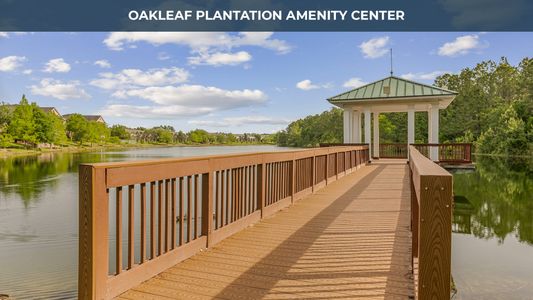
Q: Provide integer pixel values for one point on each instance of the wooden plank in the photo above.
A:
(182, 211)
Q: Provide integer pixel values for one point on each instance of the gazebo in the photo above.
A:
(391, 94)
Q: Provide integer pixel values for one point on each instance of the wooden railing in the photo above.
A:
(392, 150)
(431, 218)
(136, 219)
(448, 153)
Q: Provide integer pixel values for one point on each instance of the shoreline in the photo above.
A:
(12, 152)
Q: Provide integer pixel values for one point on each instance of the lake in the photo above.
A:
(492, 251)
(492, 241)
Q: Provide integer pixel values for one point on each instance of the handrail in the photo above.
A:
(154, 214)
(431, 214)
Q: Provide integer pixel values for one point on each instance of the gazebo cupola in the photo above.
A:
(391, 94)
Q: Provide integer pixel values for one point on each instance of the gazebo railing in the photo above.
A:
(395, 150)
(453, 153)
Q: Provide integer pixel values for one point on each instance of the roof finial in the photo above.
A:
(391, 72)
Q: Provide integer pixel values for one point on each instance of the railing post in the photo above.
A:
(207, 206)
(468, 152)
(261, 174)
(93, 234)
(434, 253)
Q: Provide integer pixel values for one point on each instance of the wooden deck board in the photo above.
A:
(350, 240)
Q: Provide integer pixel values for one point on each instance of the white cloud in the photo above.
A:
(240, 121)
(60, 90)
(11, 63)
(354, 82)
(102, 63)
(460, 46)
(198, 40)
(220, 58)
(56, 65)
(3, 34)
(307, 85)
(183, 100)
(423, 76)
(375, 47)
(131, 78)
(27, 72)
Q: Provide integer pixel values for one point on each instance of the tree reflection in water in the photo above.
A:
(495, 200)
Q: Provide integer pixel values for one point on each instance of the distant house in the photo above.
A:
(96, 118)
(46, 109)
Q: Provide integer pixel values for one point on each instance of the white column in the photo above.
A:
(347, 126)
(376, 134)
(434, 131)
(410, 126)
(368, 139)
(356, 127)
(430, 137)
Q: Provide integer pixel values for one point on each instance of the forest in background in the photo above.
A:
(493, 110)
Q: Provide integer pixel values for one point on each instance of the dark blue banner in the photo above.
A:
(275, 15)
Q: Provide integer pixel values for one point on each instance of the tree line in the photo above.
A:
(493, 110)
(27, 125)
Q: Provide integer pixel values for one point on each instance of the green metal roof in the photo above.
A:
(391, 87)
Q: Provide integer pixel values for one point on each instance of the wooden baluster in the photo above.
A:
(189, 209)
(160, 217)
(173, 217)
(143, 222)
(118, 224)
(207, 206)
(225, 218)
(197, 203)
(217, 200)
(167, 215)
(152, 220)
(131, 224)
(182, 211)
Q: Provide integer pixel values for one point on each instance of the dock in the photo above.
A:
(312, 224)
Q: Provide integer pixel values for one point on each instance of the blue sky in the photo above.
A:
(231, 82)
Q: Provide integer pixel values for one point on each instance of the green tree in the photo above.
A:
(120, 131)
(22, 125)
(198, 136)
(78, 128)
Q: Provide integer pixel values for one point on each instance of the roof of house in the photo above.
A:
(87, 117)
(391, 87)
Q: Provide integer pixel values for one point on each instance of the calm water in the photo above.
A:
(39, 216)
(492, 252)
(492, 246)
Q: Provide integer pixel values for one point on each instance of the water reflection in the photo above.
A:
(492, 253)
(495, 200)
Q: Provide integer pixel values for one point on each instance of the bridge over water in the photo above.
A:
(322, 223)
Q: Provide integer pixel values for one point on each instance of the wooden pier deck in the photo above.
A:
(349, 240)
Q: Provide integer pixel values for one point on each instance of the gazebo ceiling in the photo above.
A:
(394, 93)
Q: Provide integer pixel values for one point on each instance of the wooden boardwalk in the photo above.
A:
(349, 240)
